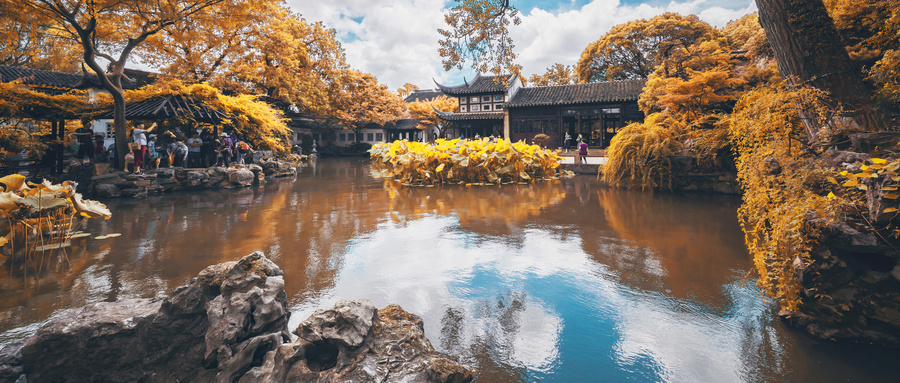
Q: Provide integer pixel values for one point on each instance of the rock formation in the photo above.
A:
(229, 324)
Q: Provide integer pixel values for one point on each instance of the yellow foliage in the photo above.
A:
(639, 154)
(424, 110)
(463, 161)
(634, 49)
(778, 205)
(558, 74)
(361, 100)
(479, 32)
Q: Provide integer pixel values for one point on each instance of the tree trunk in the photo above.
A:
(809, 51)
(119, 126)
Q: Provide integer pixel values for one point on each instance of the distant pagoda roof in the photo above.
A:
(593, 92)
(480, 84)
(420, 95)
(449, 116)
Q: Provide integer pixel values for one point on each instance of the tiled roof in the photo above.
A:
(480, 84)
(626, 90)
(447, 116)
(68, 81)
(41, 78)
(168, 107)
(423, 95)
(404, 124)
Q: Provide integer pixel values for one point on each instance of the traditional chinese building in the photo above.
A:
(481, 105)
(501, 106)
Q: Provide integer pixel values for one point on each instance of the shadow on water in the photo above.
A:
(564, 280)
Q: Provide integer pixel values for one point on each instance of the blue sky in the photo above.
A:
(397, 40)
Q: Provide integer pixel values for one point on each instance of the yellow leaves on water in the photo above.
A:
(850, 183)
(89, 208)
(477, 162)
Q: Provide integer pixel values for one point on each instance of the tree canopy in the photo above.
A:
(557, 74)
(424, 110)
(479, 34)
(634, 49)
(360, 100)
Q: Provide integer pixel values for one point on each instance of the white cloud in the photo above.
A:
(397, 40)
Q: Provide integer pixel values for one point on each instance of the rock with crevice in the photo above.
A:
(354, 342)
(215, 328)
(229, 324)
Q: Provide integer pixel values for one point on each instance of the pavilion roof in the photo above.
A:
(47, 81)
(479, 85)
(593, 92)
(169, 107)
(423, 95)
(52, 82)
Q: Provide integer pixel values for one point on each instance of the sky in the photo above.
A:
(397, 40)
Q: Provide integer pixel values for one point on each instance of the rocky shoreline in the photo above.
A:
(119, 184)
(229, 324)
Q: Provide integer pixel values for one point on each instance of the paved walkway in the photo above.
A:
(569, 158)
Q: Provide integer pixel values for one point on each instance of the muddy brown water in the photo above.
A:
(565, 281)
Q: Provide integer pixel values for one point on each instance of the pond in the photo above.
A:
(563, 281)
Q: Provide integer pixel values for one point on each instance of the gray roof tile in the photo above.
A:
(612, 91)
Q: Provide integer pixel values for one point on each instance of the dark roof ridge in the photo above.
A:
(583, 83)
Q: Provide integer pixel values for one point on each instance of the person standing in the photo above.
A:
(225, 149)
(194, 144)
(583, 151)
(164, 147)
(152, 154)
(179, 154)
(566, 144)
(139, 139)
(84, 135)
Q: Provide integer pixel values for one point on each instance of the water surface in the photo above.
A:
(564, 281)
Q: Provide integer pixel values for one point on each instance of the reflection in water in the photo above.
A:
(565, 280)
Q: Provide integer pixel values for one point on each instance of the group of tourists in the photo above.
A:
(148, 150)
(203, 149)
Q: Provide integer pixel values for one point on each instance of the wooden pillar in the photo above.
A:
(60, 146)
(506, 135)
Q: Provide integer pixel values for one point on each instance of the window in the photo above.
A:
(463, 108)
(474, 99)
(462, 100)
(498, 97)
(486, 98)
(370, 137)
(498, 106)
(351, 137)
(379, 137)
(342, 137)
(487, 107)
(474, 108)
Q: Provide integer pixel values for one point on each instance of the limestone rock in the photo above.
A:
(353, 342)
(106, 190)
(346, 324)
(201, 332)
(229, 324)
(240, 176)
